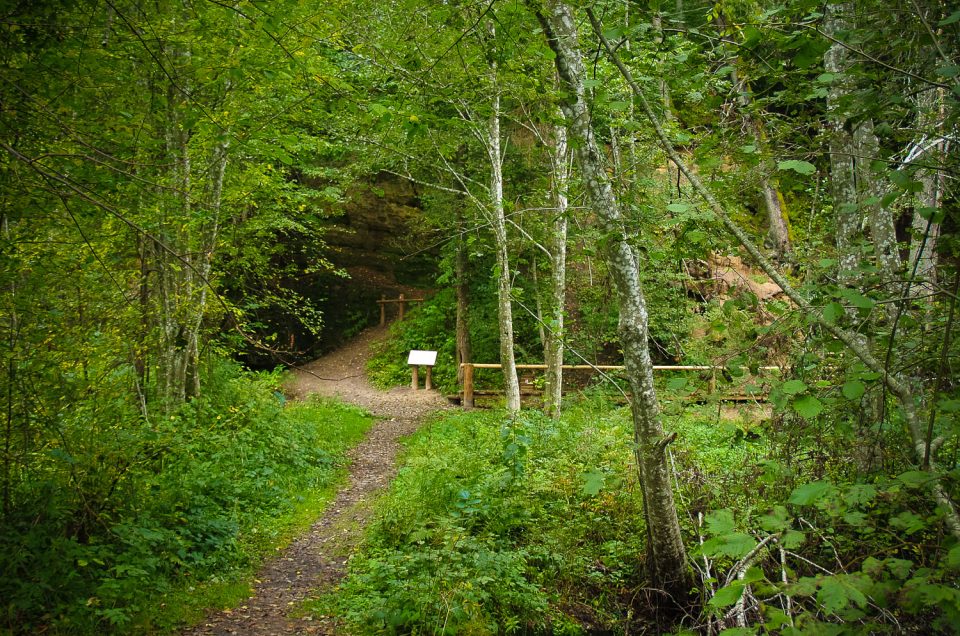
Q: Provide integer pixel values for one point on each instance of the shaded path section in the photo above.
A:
(316, 561)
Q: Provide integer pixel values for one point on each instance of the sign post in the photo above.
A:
(416, 359)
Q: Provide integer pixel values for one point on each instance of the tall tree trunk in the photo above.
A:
(504, 283)
(666, 556)
(879, 217)
(923, 248)
(553, 343)
(463, 344)
(13, 331)
(847, 218)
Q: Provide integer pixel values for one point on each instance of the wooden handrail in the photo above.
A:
(607, 367)
(467, 401)
(384, 301)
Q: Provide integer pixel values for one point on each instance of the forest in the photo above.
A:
(198, 197)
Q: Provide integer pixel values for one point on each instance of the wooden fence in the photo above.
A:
(467, 398)
(401, 303)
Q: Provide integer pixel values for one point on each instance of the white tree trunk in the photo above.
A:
(553, 343)
(504, 306)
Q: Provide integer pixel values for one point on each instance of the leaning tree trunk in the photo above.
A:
(666, 556)
(778, 230)
(553, 341)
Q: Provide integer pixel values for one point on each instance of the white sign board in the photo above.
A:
(425, 358)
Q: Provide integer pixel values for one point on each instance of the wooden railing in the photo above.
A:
(402, 302)
(467, 399)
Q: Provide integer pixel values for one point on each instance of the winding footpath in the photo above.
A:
(316, 561)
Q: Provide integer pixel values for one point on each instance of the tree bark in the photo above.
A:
(847, 216)
(504, 283)
(463, 344)
(666, 557)
(923, 248)
(553, 342)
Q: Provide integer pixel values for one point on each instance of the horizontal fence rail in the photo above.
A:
(402, 305)
(467, 399)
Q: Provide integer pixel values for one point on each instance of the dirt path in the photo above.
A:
(316, 561)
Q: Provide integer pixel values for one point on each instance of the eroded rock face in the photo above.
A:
(377, 230)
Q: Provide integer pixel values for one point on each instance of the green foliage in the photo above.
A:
(497, 525)
(124, 513)
(428, 326)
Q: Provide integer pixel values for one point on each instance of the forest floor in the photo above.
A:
(316, 561)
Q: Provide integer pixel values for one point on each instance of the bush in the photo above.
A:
(136, 510)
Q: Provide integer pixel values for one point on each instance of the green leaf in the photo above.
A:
(853, 390)
(953, 558)
(915, 478)
(838, 592)
(777, 520)
(903, 180)
(679, 208)
(793, 539)
(855, 518)
(832, 311)
(948, 70)
(807, 406)
(793, 387)
(720, 522)
(802, 167)
(810, 493)
(950, 19)
(727, 596)
(856, 299)
(593, 482)
(733, 544)
(934, 215)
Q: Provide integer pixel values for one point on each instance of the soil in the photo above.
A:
(316, 562)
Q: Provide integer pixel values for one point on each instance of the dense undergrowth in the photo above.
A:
(192, 504)
(506, 526)
(534, 526)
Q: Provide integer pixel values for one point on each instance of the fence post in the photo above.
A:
(401, 307)
(383, 309)
(712, 387)
(415, 379)
(467, 401)
(428, 382)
